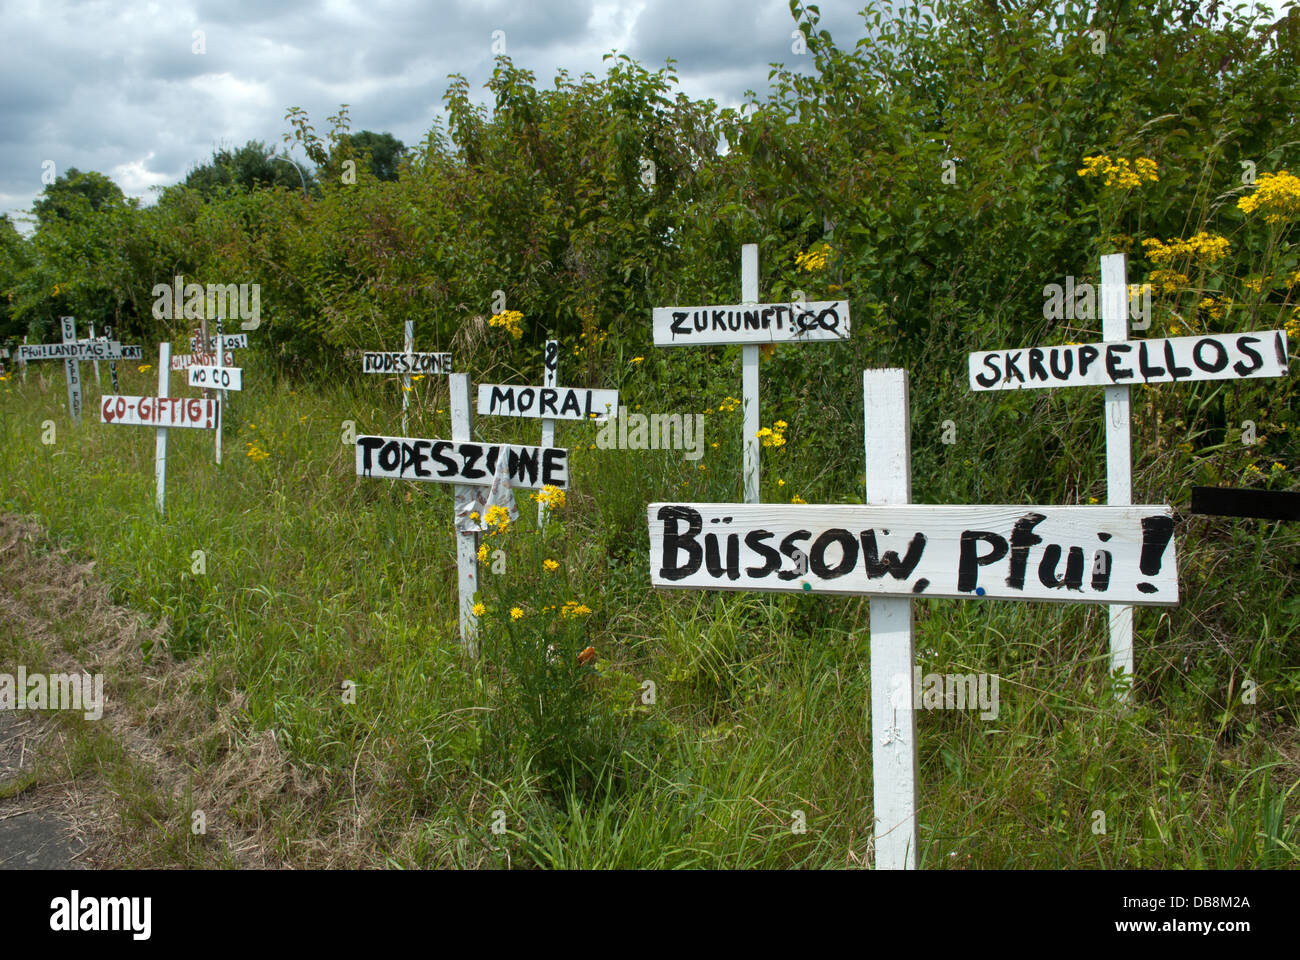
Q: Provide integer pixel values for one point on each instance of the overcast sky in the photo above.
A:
(117, 87)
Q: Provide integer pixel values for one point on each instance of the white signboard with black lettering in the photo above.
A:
(395, 361)
(186, 360)
(895, 551)
(229, 341)
(460, 461)
(555, 403)
(1218, 356)
(1074, 554)
(751, 323)
(81, 350)
(216, 378)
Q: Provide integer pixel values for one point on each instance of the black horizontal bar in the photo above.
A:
(1260, 504)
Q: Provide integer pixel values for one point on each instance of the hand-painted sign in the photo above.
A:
(186, 360)
(395, 361)
(460, 461)
(557, 403)
(1219, 356)
(751, 323)
(160, 411)
(216, 378)
(82, 350)
(229, 341)
(1071, 553)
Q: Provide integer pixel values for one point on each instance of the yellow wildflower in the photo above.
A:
(572, 608)
(1120, 172)
(144, 368)
(637, 359)
(516, 613)
(479, 609)
(1204, 248)
(483, 553)
(814, 259)
(550, 495)
(550, 565)
(498, 518)
(1277, 195)
(797, 499)
(511, 320)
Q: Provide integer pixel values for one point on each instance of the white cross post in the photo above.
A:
(550, 378)
(750, 324)
(406, 361)
(547, 403)
(469, 467)
(161, 412)
(1114, 365)
(72, 370)
(408, 347)
(894, 551)
(95, 363)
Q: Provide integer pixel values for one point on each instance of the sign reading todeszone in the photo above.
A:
(558, 403)
(1080, 554)
(395, 361)
(751, 323)
(216, 378)
(1219, 356)
(160, 411)
(461, 461)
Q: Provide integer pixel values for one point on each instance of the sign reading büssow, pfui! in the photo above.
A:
(1069, 553)
(1219, 356)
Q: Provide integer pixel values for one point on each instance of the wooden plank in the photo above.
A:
(216, 377)
(160, 439)
(95, 365)
(1045, 553)
(466, 540)
(887, 441)
(80, 350)
(229, 341)
(379, 361)
(749, 378)
(1119, 460)
(559, 403)
(407, 361)
(160, 411)
(550, 378)
(184, 361)
(1117, 361)
(461, 462)
(1255, 504)
(751, 322)
(72, 369)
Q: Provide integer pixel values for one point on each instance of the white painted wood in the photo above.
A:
(460, 461)
(550, 378)
(112, 364)
(751, 322)
(217, 377)
(392, 361)
(953, 551)
(558, 403)
(749, 377)
(95, 365)
(1119, 463)
(221, 381)
(466, 540)
(1119, 362)
(184, 361)
(229, 341)
(408, 347)
(160, 440)
(22, 364)
(160, 411)
(80, 350)
(888, 445)
(72, 369)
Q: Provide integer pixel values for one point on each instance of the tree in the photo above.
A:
(74, 193)
(254, 166)
(385, 152)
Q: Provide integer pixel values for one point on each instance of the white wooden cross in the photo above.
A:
(750, 324)
(1115, 365)
(469, 466)
(161, 412)
(70, 351)
(895, 551)
(218, 376)
(549, 402)
(405, 362)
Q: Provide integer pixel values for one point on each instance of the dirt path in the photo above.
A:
(118, 791)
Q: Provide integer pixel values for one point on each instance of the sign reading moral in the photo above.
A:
(556, 403)
(1219, 356)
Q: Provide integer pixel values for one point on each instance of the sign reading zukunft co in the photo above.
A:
(1219, 356)
(1089, 554)
(751, 323)
(462, 462)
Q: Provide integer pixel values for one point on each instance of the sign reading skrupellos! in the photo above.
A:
(1070, 553)
(455, 461)
(1219, 356)
(751, 323)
